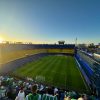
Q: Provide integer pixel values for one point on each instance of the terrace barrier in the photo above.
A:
(85, 66)
(81, 62)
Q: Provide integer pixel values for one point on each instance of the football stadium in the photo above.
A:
(62, 66)
(49, 49)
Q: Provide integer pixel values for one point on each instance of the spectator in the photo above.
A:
(67, 98)
(11, 93)
(21, 95)
(34, 95)
(41, 87)
(55, 91)
(49, 95)
(81, 97)
(85, 97)
(61, 94)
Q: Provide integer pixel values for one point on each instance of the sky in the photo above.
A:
(48, 21)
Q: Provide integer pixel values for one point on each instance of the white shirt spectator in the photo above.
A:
(29, 86)
(55, 90)
(41, 87)
(21, 95)
(80, 98)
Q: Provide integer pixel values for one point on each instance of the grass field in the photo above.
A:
(60, 71)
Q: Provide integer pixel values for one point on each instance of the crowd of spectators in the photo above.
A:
(12, 88)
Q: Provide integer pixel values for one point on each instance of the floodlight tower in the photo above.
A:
(76, 45)
(76, 42)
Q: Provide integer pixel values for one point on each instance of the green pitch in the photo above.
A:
(57, 70)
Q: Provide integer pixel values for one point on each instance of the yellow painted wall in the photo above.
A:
(60, 51)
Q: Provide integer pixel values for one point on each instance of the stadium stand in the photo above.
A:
(10, 66)
(9, 52)
(12, 47)
(10, 88)
(14, 87)
(92, 69)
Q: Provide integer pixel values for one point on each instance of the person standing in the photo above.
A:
(21, 95)
(34, 95)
